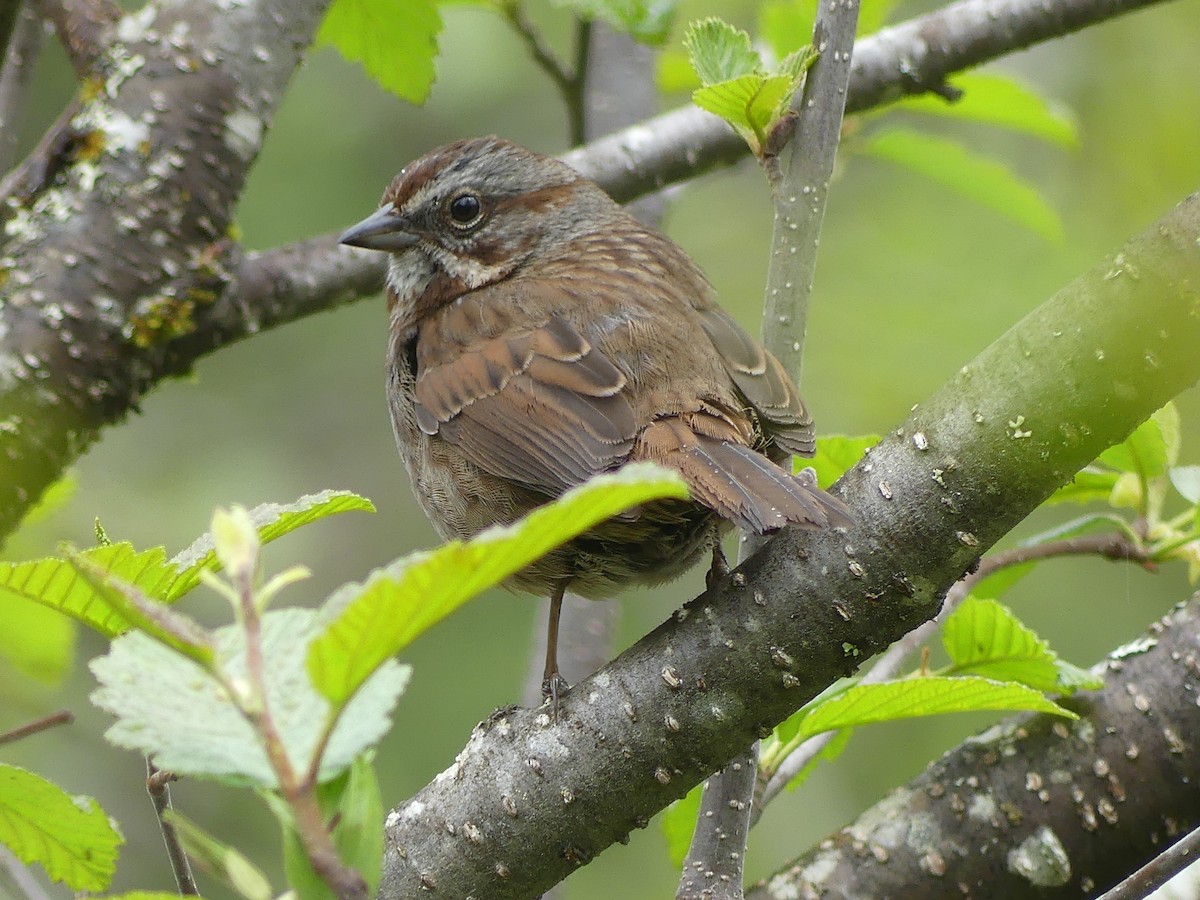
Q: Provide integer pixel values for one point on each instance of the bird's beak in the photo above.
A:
(384, 229)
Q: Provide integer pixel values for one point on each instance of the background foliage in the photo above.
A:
(912, 282)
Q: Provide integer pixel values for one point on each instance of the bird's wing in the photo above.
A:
(539, 406)
(761, 379)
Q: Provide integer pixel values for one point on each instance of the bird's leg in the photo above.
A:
(552, 681)
(720, 566)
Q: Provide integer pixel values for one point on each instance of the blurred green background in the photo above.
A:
(913, 281)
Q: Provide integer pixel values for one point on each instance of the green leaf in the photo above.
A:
(678, 824)
(1186, 480)
(647, 21)
(912, 697)
(719, 52)
(38, 641)
(352, 801)
(201, 732)
(981, 179)
(394, 40)
(377, 619)
(57, 584)
(984, 638)
(272, 520)
(158, 621)
(230, 866)
(1088, 486)
(70, 837)
(1001, 101)
(836, 455)
(998, 583)
(740, 103)
(1082, 525)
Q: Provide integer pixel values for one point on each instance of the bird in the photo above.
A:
(538, 335)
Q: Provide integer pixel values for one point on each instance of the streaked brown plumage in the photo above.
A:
(539, 334)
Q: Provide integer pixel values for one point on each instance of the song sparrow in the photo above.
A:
(538, 335)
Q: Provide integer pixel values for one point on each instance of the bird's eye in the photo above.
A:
(465, 210)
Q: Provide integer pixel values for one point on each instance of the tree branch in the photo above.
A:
(82, 27)
(150, 169)
(19, 61)
(1031, 808)
(938, 491)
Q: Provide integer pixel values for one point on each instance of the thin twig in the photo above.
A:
(157, 786)
(887, 665)
(569, 81)
(81, 26)
(62, 717)
(802, 189)
(799, 193)
(10, 12)
(1183, 853)
(251, 699)
(15, 77)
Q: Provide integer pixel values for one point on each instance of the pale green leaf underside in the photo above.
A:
(70, 837)
(200, 732)
(375, 620)
(978, 178)
(1003, 102)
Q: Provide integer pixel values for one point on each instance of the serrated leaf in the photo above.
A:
(1000, 101)
(1089, 485)
(984, 638)
(678, 824)
(200, 732)
(719, 52)
(836, 455)
(1186, 480)
(983, 180)
(272, 520)
(37, 641)
(57, 584)
(394, 40)
(229, 865)
(69, 836)
(155, 619)
(647, 21)
(890, 701)
(377, 619)
(732, 101)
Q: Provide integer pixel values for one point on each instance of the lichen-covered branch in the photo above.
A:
(1038, 806)
(124, 250)
(529, 800)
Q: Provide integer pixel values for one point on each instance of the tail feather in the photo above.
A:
(739, 483)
